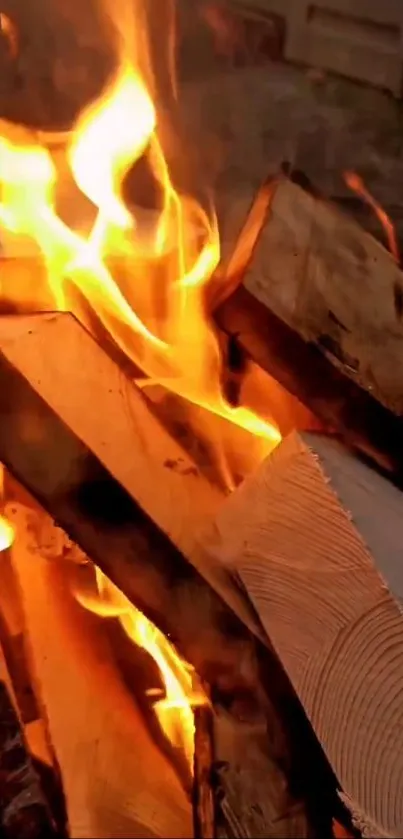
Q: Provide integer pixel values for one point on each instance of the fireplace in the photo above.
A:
(200, 432)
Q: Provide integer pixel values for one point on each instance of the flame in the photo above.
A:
(357, 185)
(174, 709)
(148, 291)
(141, 275)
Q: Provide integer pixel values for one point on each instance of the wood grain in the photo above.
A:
(315, 537)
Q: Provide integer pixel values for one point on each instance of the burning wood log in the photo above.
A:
(319, 309)
(315, 538)
(46, 431)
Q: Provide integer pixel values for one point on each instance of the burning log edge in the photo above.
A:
(58, 394)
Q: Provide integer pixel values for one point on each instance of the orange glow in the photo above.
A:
(357, 185)
(174, 707)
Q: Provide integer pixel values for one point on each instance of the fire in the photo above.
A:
(174, 709)
(145, 283)
(357, 185)
(142, 275)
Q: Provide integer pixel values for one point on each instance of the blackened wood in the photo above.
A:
(24, 813)
(203, 791)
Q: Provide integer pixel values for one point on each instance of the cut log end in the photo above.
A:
(315, 537)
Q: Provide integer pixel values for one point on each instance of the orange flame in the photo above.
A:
(143, 276)
(174, 710)
(357, 185)
(158, 317)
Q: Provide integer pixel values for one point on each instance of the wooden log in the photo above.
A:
(318, 309)
(46, 433)
(315, 539)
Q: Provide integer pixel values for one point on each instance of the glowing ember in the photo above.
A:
(174, 709)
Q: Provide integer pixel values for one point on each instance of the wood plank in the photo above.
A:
(315, 538)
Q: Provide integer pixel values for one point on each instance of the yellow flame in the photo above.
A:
(158, 317)
(174, 709)
(143, 276)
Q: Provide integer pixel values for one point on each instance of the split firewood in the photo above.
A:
(318, 308)
(315, 539)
